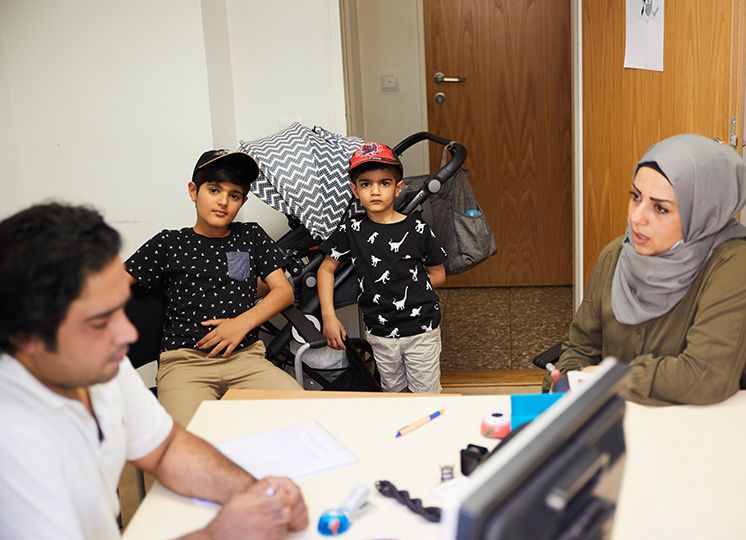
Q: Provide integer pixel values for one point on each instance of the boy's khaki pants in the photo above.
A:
(408, 362)
(186, 377)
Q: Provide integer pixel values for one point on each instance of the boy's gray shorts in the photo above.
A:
(408, 362)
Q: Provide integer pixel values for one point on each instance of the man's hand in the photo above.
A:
(335, 334)
(256, 514)
(291, 495)
(225, 336)
(192, 467)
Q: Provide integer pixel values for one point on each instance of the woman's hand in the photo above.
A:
(555, 375)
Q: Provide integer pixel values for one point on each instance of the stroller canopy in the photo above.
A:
(303, 172)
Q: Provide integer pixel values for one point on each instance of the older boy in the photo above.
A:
(210, 275)
(398, 260)
(73, 409)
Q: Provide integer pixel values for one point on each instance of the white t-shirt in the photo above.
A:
(57, 480)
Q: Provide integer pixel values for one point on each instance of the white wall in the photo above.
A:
(110, 103)
(109, 106)
(286, 54)
(287, 66)
(11, 183)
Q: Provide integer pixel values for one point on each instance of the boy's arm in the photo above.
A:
(262, 289)
(334, 331)
(227, 334)
(437, 274)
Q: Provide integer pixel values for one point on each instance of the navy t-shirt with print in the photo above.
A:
(205, 278)
(396, 296)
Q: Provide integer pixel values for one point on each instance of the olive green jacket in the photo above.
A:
(695, 353)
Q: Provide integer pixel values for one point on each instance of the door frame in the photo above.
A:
(576, 46)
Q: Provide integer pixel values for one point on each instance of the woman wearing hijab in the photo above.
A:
(669, 297)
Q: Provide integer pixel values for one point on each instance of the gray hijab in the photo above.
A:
(709, 180)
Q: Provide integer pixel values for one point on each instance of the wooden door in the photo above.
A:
(625, 111)
(513, 114)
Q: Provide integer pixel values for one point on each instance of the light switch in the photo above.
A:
(389, 82)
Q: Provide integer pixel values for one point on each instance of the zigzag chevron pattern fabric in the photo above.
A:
(303, 172)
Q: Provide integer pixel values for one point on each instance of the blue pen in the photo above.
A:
(419, 423)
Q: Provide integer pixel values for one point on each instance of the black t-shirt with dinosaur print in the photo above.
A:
(396, 296)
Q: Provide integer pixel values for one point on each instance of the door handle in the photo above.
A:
(441, 79)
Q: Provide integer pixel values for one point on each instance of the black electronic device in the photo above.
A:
(556, 479)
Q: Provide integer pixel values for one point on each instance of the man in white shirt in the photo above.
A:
(72, 408)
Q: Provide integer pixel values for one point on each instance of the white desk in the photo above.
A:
(683, 478)
(685, 472)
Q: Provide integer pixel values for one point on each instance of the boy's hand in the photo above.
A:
(226, 335)
(335, 334)
(436, 274)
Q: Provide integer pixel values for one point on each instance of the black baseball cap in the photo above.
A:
(238, 160)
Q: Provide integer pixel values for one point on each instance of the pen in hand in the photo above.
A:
(419, 423)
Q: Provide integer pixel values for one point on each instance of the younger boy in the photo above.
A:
(210, 272)
(398, 260)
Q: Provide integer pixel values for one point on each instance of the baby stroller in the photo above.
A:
(314, 365)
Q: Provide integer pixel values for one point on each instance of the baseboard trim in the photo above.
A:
(492, 378)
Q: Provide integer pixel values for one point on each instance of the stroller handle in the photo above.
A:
(458, 152)
(458, 156)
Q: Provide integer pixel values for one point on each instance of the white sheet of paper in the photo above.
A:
(294, 451)
(576, 379)
(644, 35)
(451, 490)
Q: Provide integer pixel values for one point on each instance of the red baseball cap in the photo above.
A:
(372, 152)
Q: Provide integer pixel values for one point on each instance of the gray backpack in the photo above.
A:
(457, 220)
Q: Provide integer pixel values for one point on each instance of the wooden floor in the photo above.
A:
(507, 381)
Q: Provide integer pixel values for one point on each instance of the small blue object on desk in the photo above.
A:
(526, 407)
(334, 522)
(337, 520)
